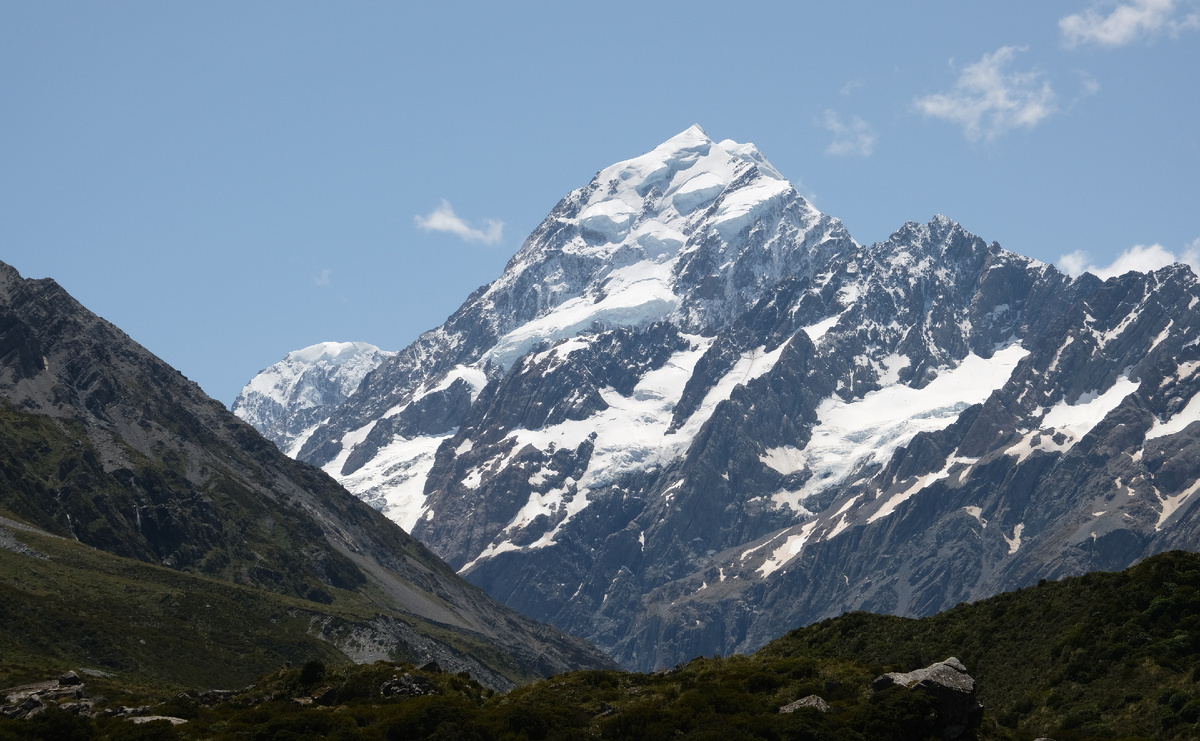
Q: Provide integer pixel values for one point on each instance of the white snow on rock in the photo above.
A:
(1071, 422)
(286, 400)
(789, 550)
(1014, 543)
(394, 480)
(853, 433)
(345, 363)
(1178, 421)
(816, 331)
(632, 433)
(1171, 504)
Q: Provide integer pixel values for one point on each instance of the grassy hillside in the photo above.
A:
(67, 605)
(1100, 656)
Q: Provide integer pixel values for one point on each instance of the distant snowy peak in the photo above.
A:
(286, 399)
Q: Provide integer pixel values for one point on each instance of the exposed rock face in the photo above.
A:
(957, 709)
(104, 443)
(693, 414)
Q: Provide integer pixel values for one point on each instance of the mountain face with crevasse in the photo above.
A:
(693, 413)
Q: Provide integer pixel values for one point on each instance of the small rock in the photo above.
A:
(432, 667)
(812, 701)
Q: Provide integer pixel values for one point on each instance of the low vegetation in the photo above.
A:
(1100, 656)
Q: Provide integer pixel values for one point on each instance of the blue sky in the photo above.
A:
(231, 181)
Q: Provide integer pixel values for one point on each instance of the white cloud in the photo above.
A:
(1138, 257)
(851, 86)
(443, 219)
(1125, 24)
(322, 279)
(855, 137)
(987, 101)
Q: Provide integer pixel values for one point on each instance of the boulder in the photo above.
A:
(948, 682)
(812, 701)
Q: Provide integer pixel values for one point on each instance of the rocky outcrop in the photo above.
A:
(958, 711)
(28, 700)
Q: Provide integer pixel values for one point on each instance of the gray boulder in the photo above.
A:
(957, 708)
(812, 701)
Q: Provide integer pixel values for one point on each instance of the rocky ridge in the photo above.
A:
(107, 445)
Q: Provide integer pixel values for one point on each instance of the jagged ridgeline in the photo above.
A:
(104, 445)
(693, 412)
(1108, 655)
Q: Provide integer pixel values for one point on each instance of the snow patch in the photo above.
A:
(634, 296)
(816, 331)
(899, 498)
(1014, 543)
(1176, 422)
(393, 481)
(750, 366)
(785, 460)
(631, 433)
(1071, 422)
(851, 434)
(1172, 504)
(786, 552)
(977, 513)
(747, 204)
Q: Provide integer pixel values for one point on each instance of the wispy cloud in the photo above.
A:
(851, 86)
(854, 137)
(1138, 257)
(1125, 24)
(443, 219)
(988, 101)
(322, 279)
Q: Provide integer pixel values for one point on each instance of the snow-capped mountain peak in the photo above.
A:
(674, 234)
(690, 394)
(289, 397)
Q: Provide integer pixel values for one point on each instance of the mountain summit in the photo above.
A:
(693, 413)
